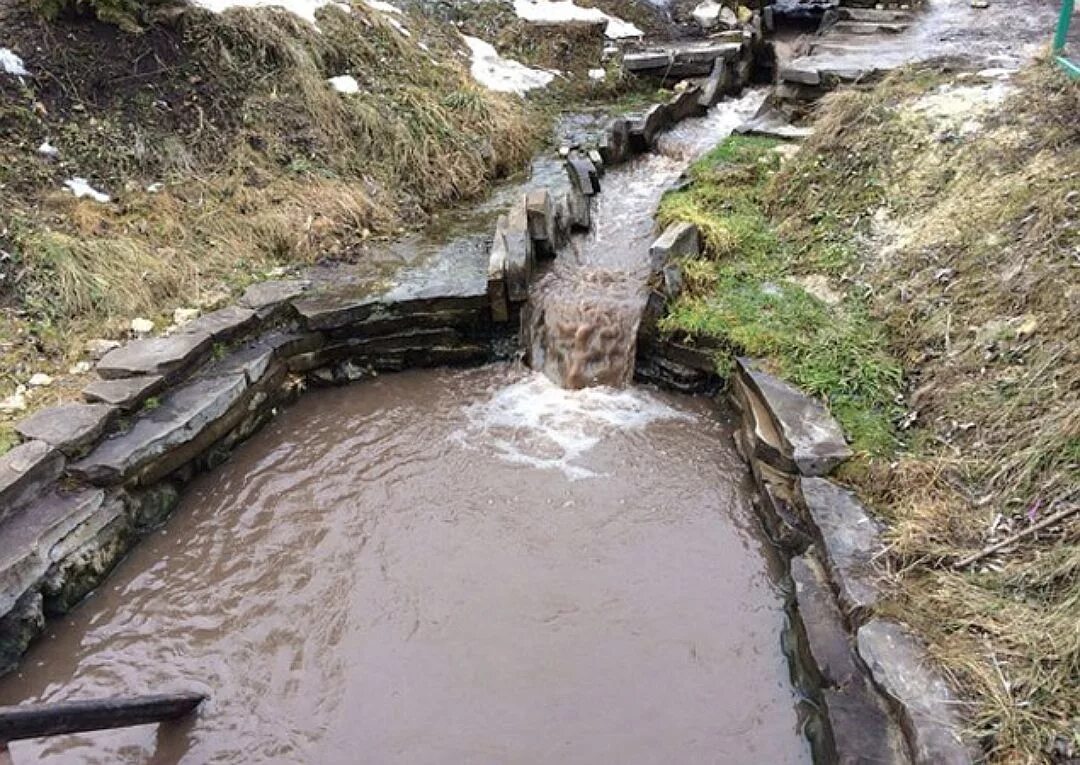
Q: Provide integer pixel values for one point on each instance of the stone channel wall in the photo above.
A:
(90, 479)
(871, 692)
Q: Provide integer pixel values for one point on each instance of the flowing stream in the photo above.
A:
(583, 316)
(479, 566)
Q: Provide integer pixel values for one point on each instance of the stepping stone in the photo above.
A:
(583, 175)
(900, 666)
(155, 355)
(222, 325)
(849, 541)
(273, 297)
(70, 427)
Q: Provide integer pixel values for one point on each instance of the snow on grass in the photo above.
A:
(381, 6)
(80, 187)
(48, 150)
(344, 83)
(305, 9)
(565, 10)
(12, 64)
(503, 74)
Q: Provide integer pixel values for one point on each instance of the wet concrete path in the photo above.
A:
(456, 566)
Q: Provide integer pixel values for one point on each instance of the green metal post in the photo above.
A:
(1061, 36)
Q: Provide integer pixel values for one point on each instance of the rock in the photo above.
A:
(597, 160)
(182, 316)
(125, 394)
(862, 730)
(901, 668)
(686, 104)
(16, 402)
(773, 123)
(39, 380)
(744, 15)
(497, 289)
(679, 240)
(809, 436)
(827, 638)
(183, 415)
(254, 360)
(579, 208)
(103, 544)
(223, 324)
(849, 541)
(519, 252)
(271, 297)
(583, 175)
(155, 355)
(99, 347)
(541, 221)
(615, 144)
(18, 628)
(643, 131)
(26, 472)
(69, 427)
(707, 14)
(142, 326)
(80, 368)
(647, 61)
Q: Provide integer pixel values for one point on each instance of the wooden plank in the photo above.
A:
(36, 720)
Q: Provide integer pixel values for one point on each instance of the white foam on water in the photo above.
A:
(503, 74)
(535, 422)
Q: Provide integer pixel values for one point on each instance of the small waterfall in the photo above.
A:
(582, 317)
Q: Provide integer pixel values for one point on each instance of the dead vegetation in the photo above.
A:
(226, 152)
(954, 203)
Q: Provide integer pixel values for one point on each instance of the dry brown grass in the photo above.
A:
(967, 247)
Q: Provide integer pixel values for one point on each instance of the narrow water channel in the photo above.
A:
(446, 567)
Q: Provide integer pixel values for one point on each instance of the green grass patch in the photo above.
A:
(742, 293)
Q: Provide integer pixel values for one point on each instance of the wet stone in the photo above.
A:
(70, 427)
(862, 730)
(540, 211)
(223, 324)
(615, 146)
(686, 104)
(643, 131)
(583, 175)
(810, 437)
(182, 416)
(155, 355)
(126, 393)
(679, 240)
(827, 638)
(900, 666)
(18, 628)
(717, 84)
(26, 472)
(579, 210)
(520, 254)
(849, 541)
(496, 282)
(272, 298)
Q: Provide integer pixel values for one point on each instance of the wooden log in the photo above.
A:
(36, 720)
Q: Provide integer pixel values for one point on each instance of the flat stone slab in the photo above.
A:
(180, 418)
(26, 472)
(222, 325)
(810, 437)
(513, 228)
(773, 123)
(70, 427)
(849, 540)
(679, 240)
(583, 175)
(827, 638)
(126, 393)
(900, 666)
(265, 298)
(28, 539)
(155, 355)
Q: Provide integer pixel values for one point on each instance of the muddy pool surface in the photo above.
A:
(446, 567)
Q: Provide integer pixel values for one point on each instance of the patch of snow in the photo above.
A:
(565, 10)
(399, 27)
(12, 64)
(80, 187)
(305, 9)
(597, 74)
(39, 380)
(155, 187)
(16, 402)
(142, 326)
(503, 74)
(344, 83)
(961, 103)
(48, 150)
(381, 6)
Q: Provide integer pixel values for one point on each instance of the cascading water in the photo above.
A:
(583, 314)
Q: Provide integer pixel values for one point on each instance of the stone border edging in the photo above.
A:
(876, 696)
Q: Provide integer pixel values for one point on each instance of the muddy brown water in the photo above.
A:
(446, 567)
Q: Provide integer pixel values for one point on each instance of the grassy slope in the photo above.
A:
(954, 250)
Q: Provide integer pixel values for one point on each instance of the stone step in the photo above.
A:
(683, 61)
(868, 27)
(69, 427)
(880, 16)
(26, 472)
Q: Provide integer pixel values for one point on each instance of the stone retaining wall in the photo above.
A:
(873, 695)
(90, 479)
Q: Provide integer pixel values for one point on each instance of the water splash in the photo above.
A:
(537, 423)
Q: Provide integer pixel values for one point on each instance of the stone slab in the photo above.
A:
(334, 309)
(163, 356)
(679, 240)
(583, 175)
(900, 666)
(496, 282)
(811, 438)
(580, 210)
(541, 215)
(126, 394)
(849, 541)
(222, 325)
(827, 638)
(520, 253)
(182, 416)
(272, 298)
(686, 104)
(26, 472)
(28, 539)
(717, 84)
(69, 427)
(862, 730)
